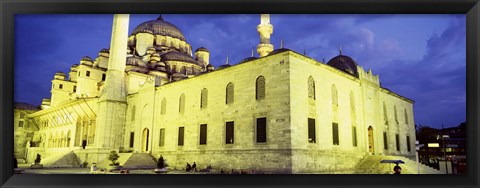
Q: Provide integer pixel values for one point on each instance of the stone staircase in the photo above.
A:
(140, 161)
(371, 165)
(61, 160)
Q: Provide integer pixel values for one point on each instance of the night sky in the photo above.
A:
(421, 57)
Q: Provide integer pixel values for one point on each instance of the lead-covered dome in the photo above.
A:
(345, 64)
(160, 27)
(177, 56)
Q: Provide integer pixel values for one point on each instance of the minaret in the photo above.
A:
(265, 29)
(112, 105)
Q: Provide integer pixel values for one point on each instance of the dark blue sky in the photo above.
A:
(422, 57)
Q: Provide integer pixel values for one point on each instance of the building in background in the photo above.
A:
(23, 129)
(282, 111)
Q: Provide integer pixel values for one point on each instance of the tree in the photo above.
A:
(113, 156)
(426, 134)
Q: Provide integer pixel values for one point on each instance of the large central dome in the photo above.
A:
(160, 27)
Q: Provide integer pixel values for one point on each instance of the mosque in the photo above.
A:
(150, 94)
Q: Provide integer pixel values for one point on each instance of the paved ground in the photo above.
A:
(87, 171)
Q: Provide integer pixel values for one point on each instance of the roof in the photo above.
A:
(24, 106)
(345, 64)
(177, 56)
(160, 27)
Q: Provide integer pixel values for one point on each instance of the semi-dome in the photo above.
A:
(177, 56)
(134, 61)
(160, 27)
(345, 64)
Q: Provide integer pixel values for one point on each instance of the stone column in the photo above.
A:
(265, 29)
(112, 104)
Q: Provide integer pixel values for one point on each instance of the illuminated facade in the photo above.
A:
(282, 111)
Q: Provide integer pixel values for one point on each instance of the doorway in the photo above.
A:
(371, 146)
(145, 140)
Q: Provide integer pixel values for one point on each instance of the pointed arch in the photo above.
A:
(395, 113)
(204, 98)
(163, 109)
(181, 103)
(385, 115)
(229, 98)
(406, 117)
(311, 88)
(334, 96)
(260, 88)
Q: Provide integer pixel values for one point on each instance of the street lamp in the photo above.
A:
(444, 148)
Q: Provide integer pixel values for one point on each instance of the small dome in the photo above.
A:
(248, 59)
(277, 51)
(74, 65)
(86, 58)
(60, 73)
(160, 27)
(202, 49)
(177, 56)
(104, 50)
(134, 61)
(345, 64)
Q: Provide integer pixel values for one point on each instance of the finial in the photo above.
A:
(340, 49)
(281, 43)
(252, 53)
(160, 18)
(226, 63)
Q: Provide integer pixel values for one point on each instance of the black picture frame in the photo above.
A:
(8, 8)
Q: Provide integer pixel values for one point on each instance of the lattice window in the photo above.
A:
(181, 131)
(204, 98)
(261, 130)
(203, 134)
(408, 143)
(311, 88)
(311, 131)
(260, 88)
(229, 132)
(336, 140)
(397, 139)
(385, 141)
(352, 106)
(229, 94)
(354, 136)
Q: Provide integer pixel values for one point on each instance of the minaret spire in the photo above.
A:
(226, 62)
(281, 43)
(252, 53)
(340, 49)
(265, 29)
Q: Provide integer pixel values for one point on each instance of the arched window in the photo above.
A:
(395, 113)
(203, 98)
(385, 117)
(229, 94)
(406, 117)
(181, 103)
(132, 115)
(183, 70)
(334, 96)
(104, 76)
(311, 88)
(164, 106)
(260, 88)
(352, 106)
